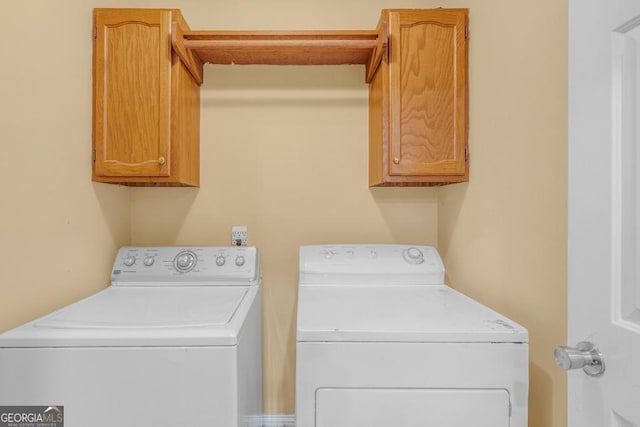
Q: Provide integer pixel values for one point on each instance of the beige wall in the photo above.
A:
(58, 230)
(503, 235)
(284, 151)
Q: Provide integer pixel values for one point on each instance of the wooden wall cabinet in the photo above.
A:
(418, 102)
(146, 100)
(148, 69)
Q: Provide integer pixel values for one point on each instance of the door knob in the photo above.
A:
(585, 355)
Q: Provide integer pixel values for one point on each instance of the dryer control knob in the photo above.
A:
(129, 260)
(240, 260)
(148, 261)
(413, 255)
(220, 260)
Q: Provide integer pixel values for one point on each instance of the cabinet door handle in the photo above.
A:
(396, 160)
(161, 160)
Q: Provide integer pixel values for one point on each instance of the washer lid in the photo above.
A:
(161, 307)
(380, 313)
(142, 316)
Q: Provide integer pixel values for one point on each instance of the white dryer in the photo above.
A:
(174, 341)
(382, 341)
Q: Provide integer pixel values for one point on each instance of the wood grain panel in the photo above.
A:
(427, 94)
(376, 128)
(146, 100)
(427, 91)
(428, 68)
(133, 82)
(133, 99)
(185, 130)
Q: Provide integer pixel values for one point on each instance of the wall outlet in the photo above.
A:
(239, 235)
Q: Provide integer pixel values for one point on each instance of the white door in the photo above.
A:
(604, 208)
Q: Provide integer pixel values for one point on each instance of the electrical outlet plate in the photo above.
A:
(239, 235)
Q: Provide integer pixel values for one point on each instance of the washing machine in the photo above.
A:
(175, 340)
(383, 341)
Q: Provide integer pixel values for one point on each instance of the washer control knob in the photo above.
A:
(129, 260)
(148, 261)
(220, 260)
(185, 261)
(240, 260)
(413, 255)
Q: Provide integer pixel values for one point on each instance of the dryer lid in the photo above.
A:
(379, 313)
(142, 316)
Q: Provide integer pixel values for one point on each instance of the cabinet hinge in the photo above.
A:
(93, 154)
(466, 32)
(95, 33)
(466, 154)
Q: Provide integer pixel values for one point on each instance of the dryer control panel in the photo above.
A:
(193, 265)
(370, 264)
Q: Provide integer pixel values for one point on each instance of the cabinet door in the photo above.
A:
(132, 92)
(428, 93)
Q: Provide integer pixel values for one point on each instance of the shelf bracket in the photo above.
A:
(188, 58)
(381, 50)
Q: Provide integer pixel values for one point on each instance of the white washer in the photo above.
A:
(382, 341)
(174, 341)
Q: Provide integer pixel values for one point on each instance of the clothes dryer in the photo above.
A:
(382, 341)
(175, 340)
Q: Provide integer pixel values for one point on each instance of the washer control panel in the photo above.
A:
(370, 263)
(194, 265)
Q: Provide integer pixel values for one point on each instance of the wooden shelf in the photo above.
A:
(418, 91)
(282, 48)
